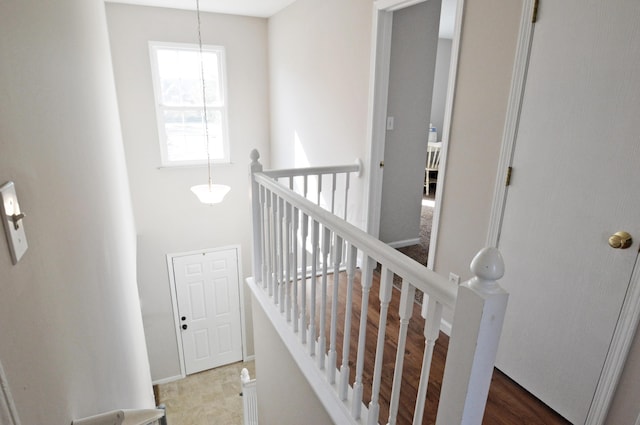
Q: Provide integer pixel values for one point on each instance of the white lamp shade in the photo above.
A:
(210, 194)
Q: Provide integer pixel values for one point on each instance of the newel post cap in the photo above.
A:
(254, 155)
(488, 267)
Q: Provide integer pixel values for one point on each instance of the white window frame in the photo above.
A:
(154, 46)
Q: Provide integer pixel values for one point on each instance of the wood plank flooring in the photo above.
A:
(508, 403)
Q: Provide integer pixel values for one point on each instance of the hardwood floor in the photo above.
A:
(507, 404)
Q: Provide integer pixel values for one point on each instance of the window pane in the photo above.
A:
(186, 135)
(181, 79)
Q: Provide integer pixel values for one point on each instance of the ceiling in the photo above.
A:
(266, 8)
(259, 8)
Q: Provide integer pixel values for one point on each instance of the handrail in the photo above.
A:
(123, 417)
(424, 279)
(310, 171)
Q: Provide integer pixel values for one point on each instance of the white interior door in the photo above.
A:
(208, 300)
(574, 184)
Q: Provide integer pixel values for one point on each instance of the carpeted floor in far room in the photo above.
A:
(420, 251)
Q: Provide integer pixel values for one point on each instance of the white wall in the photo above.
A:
(284, 394)
(487, 52)
(71, 339)
(440, 83)
(169, 217)
(414, 42)
(319, 55)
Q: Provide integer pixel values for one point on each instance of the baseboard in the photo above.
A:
(406, 242)
(249, 358)
(445, 327)
(167, 380)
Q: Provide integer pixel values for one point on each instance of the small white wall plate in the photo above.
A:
(13, 226)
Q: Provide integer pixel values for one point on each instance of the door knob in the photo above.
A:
(620, 240)
(184, 326)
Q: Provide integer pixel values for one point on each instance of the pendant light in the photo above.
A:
(209, 193)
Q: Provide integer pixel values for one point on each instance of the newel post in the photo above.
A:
(477, 325)
(256, 167)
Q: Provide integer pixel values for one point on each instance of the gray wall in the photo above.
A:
(169, 217)
(440, 84)
(413, 57)
(71, 339)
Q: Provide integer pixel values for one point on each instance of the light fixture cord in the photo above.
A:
(204, 96)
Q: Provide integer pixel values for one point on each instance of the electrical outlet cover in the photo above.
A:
(16, 238)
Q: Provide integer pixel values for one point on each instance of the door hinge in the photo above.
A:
(534, 14)
(508, 181)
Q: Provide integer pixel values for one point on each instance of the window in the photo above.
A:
(177, 84)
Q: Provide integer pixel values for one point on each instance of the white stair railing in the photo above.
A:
(249, 398)
(290, 230)
(123, 417)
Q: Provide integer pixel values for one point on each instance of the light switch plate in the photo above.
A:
(16, 238)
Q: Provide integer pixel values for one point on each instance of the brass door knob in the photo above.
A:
(620, 240)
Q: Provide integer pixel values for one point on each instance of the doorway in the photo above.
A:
(207, 308)
(386, 152)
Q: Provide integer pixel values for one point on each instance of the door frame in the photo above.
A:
(629, 318)
(174, 299)
(377, 113)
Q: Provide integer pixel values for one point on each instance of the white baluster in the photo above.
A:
(352, 253)
(264, 240)
(333, 192)
(386, 281)
(281, 254)
(432, 314)
(407, 297)
(322, 341)
(314, 262)
(346, 195)
(294, 256)
(277, 236)
(303, 277)
(331, 369)
(367, 272)
(271, 217)
(477, 324)
(287, 260)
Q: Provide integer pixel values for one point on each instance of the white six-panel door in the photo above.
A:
(575, 182)
(207, 289)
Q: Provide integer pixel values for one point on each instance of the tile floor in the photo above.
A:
(206, 398)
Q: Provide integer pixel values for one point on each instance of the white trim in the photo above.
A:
(638, 420)
(174, 300)
(174, 311)
(392, 5)
(167, 380)
(406, 242)
(7, 407)
(377, 111)
(516, 94)
(446, 131)
(618, 351)
(250, 358)
(243, 320)
(630, 313)
(445, 327)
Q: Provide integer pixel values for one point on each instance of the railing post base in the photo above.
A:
(477, 325)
